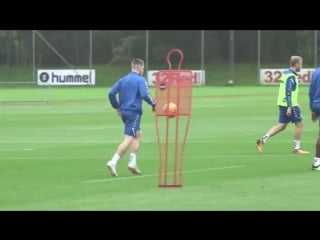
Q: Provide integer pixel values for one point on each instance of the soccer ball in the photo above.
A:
(230, 82)
(170, 110)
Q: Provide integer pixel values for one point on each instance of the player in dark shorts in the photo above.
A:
(132, 89)
(314, 103)
(289, 110)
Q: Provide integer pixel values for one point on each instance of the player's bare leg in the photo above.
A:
(297, 139)
(122, 148)
(273, 131)
(132, 166)
(316, 163)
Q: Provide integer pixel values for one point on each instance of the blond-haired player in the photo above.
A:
(131, 90)
(289, 110)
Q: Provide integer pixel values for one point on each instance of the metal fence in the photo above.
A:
(224, 54)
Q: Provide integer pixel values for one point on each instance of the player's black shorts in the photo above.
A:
(295, 115)
(316, 109)
(131, 122)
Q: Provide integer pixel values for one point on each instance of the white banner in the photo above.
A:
(198, 77)
(273, 76)
(66, 77)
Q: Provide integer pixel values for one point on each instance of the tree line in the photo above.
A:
(119, 46)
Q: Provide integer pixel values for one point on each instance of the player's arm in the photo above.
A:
(113, 95)
(290, 86)
(312, 90)
(145, 93)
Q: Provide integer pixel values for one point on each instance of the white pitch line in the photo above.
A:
(154, 175)
(253, 155)
(15, 150)
(51, 158)
(80, 128)
(117, 141)
(59, 141)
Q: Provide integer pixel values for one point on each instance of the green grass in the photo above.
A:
(87, 93)
(49, 152)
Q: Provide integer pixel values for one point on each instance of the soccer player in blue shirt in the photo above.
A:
(314, 103)
(132, 89)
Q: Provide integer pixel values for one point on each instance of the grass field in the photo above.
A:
(52, 157)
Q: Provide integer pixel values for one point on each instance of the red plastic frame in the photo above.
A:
(173, 86)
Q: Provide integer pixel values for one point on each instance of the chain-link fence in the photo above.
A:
(236, 55)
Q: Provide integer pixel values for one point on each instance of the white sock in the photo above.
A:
(115, 159)
(297, 144)
(265, 138)
(133, 159)
(316, 161)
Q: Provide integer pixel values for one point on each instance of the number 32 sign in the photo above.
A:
(273, 76)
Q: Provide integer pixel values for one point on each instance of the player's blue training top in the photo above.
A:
(290, 86)
(131, 89)
(314, 88)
